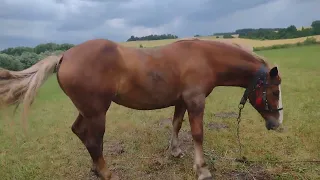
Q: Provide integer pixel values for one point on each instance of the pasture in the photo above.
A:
(135, 144)
(251, 42)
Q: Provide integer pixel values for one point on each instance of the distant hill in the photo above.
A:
(274, 33)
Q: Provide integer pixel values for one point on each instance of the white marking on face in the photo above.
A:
(280, 101)
(280, 106)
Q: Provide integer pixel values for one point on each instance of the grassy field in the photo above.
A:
(250, 42)
(136, 141)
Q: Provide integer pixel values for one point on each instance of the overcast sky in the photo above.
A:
(30, 22)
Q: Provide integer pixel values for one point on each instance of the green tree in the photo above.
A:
(45, 47)
(63, 47)
(28, 59)
(316, 27)
(17, 51)
(9, 62)
(153, 37)
(227, 36)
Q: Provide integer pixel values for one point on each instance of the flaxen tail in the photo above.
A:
(21, 87)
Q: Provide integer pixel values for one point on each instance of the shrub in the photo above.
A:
(10, 62)
(310, 40)
(227, 36)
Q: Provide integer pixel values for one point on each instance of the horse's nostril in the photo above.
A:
(268, 126)
(271, 124)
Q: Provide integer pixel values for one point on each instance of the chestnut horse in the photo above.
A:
(182, 74)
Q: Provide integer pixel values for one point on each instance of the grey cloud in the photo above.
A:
(11, 41)
(91, 17)
(74, 21)
(26, 11)
(121, 1)
(212, 10)
(161, 12)
(278, 13)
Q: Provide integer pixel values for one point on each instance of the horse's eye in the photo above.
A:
(276, 93)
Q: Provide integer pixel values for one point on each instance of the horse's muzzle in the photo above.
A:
(272, 124)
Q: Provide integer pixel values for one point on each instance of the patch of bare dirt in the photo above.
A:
(157, 164)
(167, 122)
(226, 115)
(114, 147)
(185, 137)
(217, 126)
(254, 172)
(186, 143)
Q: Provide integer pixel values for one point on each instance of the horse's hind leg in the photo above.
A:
(90, 130)
(179, 112)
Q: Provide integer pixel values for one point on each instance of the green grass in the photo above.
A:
(52, 151)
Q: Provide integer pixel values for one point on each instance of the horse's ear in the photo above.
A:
(274, 72)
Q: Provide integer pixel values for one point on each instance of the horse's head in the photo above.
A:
(264, 95)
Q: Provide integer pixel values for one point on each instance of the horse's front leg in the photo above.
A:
(179, 112)
(195, 106)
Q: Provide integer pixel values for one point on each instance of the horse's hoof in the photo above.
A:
(206, 178)
(114, 177)
(177, 153)
(104, 175)
(203, 173)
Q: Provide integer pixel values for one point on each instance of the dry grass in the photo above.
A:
(136, 141)
(305, 27)
(250, 42)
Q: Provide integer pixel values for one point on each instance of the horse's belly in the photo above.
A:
(144, 99)
(151, 87)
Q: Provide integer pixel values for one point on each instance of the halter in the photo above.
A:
(260, 79)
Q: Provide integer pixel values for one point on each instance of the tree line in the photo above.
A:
(153, 37)
(224, 33)
(19, 58)
(275, 33)
(41, 48)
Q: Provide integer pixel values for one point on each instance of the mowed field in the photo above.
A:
(136, 142)
(250, 42)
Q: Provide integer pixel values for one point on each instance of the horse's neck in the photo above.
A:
(240, 66)
(239, 74)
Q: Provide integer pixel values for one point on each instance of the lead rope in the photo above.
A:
(242, 158)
